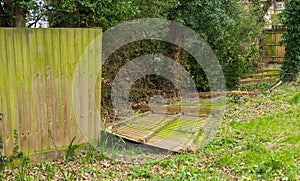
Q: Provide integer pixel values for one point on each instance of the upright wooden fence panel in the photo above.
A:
(36, 79)
(273, 52)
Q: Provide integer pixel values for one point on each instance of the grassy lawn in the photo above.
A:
(259, 140)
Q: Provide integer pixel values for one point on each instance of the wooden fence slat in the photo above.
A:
(28, 109)
(98, 57)
(50, 89)
(35, 64)
(1, 106)
(41, 66)
(12, 88)
(22, 124)
(84, 108)
(27, 90)
(64, 85)
(79, 106)
(7, 140)
(91, 95)
(71, 63)
(58, 84)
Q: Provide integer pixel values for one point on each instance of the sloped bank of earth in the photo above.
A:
(259, 140)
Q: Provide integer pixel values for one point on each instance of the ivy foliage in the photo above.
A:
(225, 25)
(228, 28)
(91, 13)
(14, 13)
(291, 38)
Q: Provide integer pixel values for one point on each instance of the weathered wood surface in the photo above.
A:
(270, 75)
(273, 52)
(172, 128)
(36, 78)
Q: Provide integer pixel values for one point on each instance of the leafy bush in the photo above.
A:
(291, 38)
(232, 37)
(82, 13)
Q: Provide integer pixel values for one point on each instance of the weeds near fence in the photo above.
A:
(70, 152)
(23, 168)
(67, 175)
(16, 158)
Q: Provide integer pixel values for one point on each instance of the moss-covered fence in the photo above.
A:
(273, 52)
(37, 68)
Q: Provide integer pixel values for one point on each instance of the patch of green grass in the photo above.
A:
(259, 139)
(47, 169)
(263, 87)
(296, 98)
(262, 146)
(67, 175)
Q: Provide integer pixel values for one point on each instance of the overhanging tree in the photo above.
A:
(65, 13)
(223, 24)
(13, 13)
(227, 28)
(88, 13)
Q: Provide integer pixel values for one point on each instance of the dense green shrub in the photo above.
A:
(230, 36)
(291, 38)
(91, 13)
(225, 25)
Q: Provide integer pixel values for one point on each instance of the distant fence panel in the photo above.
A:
(273, 52)
(36, 78)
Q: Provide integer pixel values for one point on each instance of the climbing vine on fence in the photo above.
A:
(291, 38)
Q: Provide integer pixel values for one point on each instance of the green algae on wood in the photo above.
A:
(38, 66)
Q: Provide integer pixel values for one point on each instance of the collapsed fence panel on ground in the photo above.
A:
(36, 79)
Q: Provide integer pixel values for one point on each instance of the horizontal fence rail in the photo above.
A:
(36, 79)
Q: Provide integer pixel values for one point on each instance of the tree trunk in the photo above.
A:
(12, 16)
(3, 17)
